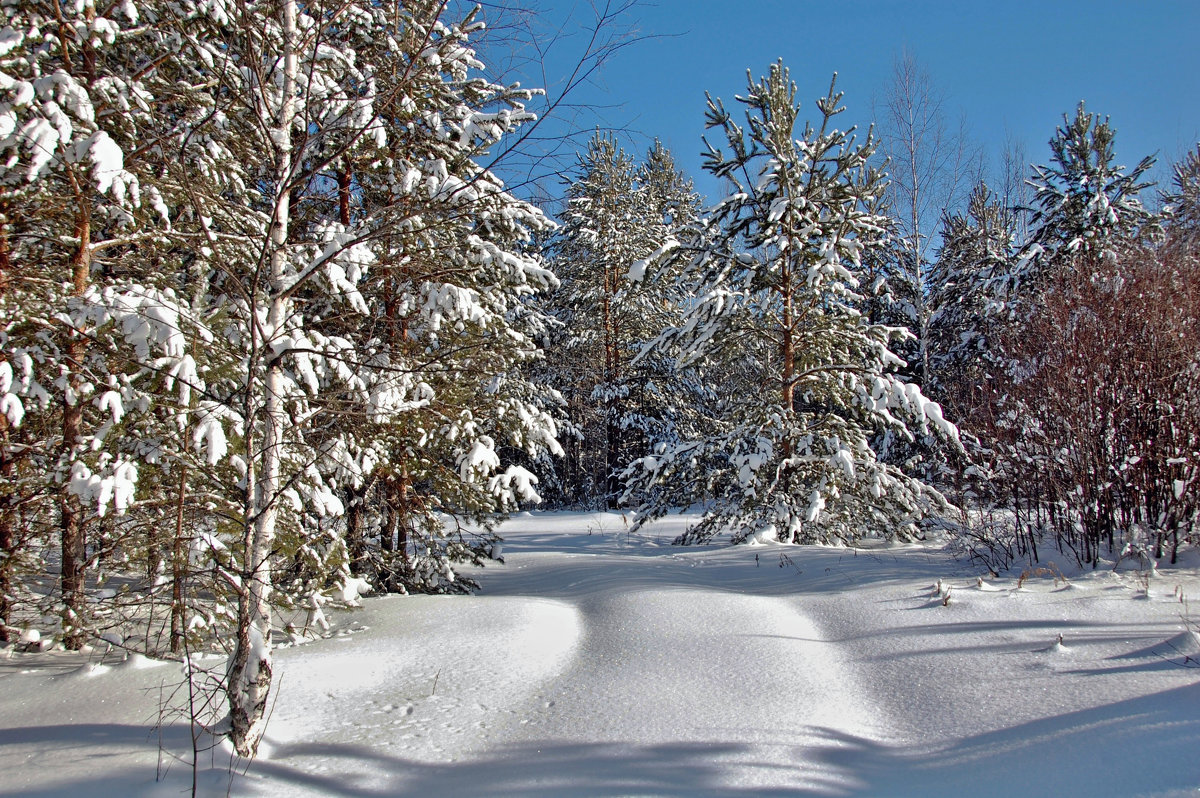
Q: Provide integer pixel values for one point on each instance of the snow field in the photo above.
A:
(428, 677)
(599, 663)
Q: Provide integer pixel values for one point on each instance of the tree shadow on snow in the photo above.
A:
(1102, 751)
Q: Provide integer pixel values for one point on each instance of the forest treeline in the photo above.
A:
(788, 358)
(274, 331)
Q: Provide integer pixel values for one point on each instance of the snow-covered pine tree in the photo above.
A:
(977, 251)
(1085, 203)
(371, 280)
(619, 213)
(1182, 200)
(599, 240)
(89, 315)
(668, 403)
(789, 455)
(451, 329)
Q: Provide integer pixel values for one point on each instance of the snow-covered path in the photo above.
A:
(596, 663)
(689, 686)
(779, 671)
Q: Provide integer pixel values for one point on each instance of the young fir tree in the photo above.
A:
(619, 213)
(788, 455)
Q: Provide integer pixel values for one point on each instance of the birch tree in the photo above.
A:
(931, 166)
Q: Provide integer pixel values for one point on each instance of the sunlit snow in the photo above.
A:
(600, 662)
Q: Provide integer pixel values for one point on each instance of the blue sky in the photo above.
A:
(1010, 67)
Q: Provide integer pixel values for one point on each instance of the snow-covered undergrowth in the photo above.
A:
(600, 662)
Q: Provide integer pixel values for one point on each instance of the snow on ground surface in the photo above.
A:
(600, 663)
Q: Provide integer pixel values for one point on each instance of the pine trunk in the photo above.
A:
(73, 543)
(356, 544)
(787, 357)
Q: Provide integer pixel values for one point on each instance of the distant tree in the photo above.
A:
(618, 214)
(788, 452)
(1085, 204)
(930, 164)
(1013, 191)
(976, 252)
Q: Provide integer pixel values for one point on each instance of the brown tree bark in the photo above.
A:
(73, 542)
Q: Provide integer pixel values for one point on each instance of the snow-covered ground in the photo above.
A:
(596, 662)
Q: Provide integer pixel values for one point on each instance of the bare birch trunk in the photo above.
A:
(251, 669)
(8, 542)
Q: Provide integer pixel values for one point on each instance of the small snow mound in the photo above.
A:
(140, 662)
(350, 590)
(31, 640)
(1185, 644)
(89, 670)
(765, 536)
(1057, 647)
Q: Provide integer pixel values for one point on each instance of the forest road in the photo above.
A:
(678, 687)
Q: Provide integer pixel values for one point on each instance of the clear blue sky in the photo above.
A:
(1012, 67)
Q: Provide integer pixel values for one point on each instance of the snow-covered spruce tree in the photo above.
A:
(599, 239)
(789, 454)
(964, 331)
(618, 214)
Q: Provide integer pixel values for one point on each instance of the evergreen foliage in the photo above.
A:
(1182, 201)
(787, 453)
(1085, 204)
(619, 214)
